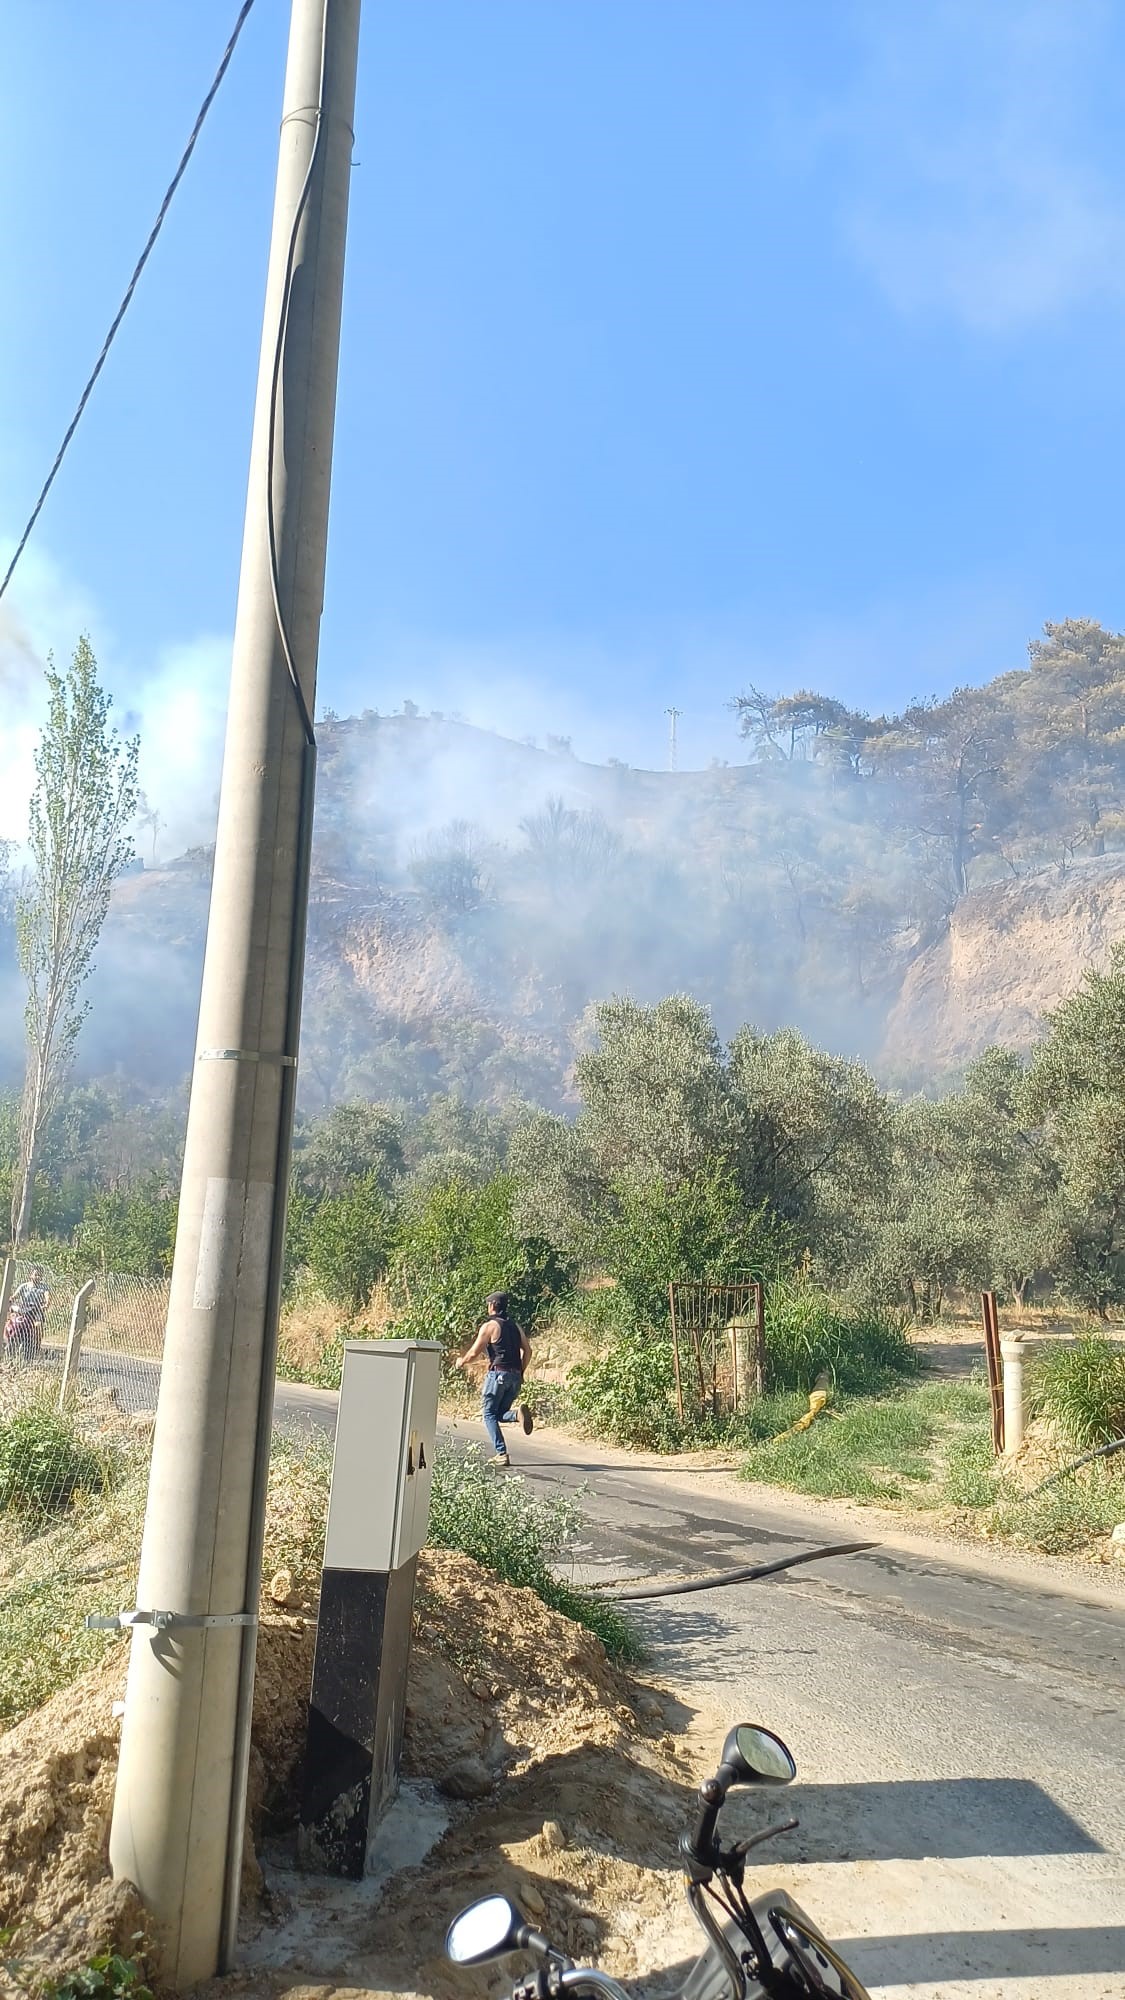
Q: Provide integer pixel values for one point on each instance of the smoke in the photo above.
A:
(179, 711)
(473, 890)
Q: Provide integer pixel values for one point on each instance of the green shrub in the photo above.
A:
(343, 1240)
(458, 1242)
(698, 1227)
(45, 1461)
(1082, 1390)
(810, 1333)
(107, 1977)
(130, 1231)
(501, 1525)
(626, 1392)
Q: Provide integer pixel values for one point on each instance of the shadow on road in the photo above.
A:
(966, 1955)
(930, 1819)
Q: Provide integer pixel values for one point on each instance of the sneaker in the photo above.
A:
(502, 1458)
(527, 1420)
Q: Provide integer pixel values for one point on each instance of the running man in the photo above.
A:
(508, 1351)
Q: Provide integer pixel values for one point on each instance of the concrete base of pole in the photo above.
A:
(1012, 1355)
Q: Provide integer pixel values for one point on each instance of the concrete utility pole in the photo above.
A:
(673, 715)
(180, 1802)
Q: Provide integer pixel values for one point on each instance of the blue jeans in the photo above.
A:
(501, 1387)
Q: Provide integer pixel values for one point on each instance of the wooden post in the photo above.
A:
(74, 1342)
(6, 1282)
(995, 1368)
(676, 1352)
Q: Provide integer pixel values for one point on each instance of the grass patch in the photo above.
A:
(810, 1334)
(1065, 1518)
(625, 1391)
(46, 1461)
(493, 1518)
(51, 1575)
(884, 1448)
(1081, 1388)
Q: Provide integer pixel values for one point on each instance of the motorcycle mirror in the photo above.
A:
(757, 1757)
(822, 1971)
(485, 1930)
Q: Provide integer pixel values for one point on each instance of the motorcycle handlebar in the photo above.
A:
(594, 1982)
(700, 1845)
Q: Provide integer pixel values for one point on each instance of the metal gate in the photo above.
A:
(718, 1345)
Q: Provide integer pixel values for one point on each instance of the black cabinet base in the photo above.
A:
(356, 1715)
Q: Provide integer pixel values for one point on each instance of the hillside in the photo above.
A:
(905, 888)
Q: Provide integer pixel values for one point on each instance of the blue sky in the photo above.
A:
(686, 343)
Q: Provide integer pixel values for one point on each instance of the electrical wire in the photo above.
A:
(751, 1575)
(130, 288)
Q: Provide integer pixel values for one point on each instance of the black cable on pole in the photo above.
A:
(1103, 1451)
(130, 289)
(275, 397)
(751, 1575)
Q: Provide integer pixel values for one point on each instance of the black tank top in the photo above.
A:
(504, 1346)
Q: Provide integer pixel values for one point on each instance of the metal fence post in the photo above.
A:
(74, 1341)
(760, 1338)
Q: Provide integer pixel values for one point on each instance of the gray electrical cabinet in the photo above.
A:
(378, 1518)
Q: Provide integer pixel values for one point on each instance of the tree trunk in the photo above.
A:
(31, 1136)
(22, 1192)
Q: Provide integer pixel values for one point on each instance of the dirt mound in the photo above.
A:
(57, 1772)
(514, 1714)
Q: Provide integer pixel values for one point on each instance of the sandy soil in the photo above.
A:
(543, 1769)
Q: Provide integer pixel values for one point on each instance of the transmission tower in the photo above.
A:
(673, 715)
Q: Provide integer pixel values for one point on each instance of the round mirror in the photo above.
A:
(765, 1755)
(820, 1968)
(485, 1930)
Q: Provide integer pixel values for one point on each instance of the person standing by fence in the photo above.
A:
(508, 1351)
(27, 1316)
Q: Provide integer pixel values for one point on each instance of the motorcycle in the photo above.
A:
(767, 1947)
(23, 1336)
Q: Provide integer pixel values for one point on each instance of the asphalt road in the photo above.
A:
(957, 1721)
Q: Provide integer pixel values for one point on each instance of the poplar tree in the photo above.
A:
(79, 822)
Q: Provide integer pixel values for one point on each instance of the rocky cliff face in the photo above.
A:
(1009, 953)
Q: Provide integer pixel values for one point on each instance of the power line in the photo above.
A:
(130, 288)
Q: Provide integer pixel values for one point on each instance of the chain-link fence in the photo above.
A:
(107, 1335)
(79, 1376)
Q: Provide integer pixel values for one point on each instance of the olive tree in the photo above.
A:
(79, 821)
(1076, 1096)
